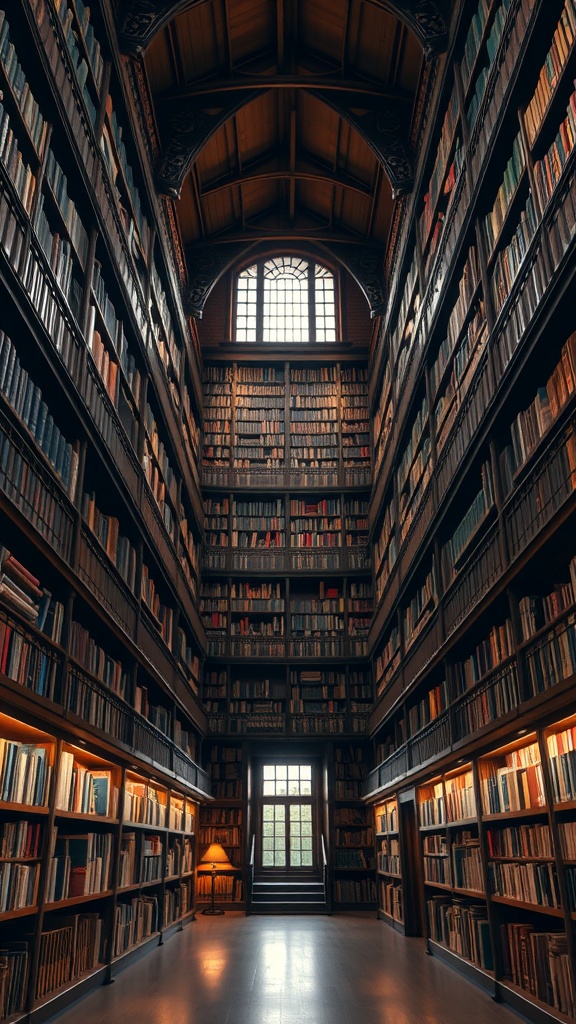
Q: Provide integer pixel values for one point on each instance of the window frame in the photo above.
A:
(312, 328)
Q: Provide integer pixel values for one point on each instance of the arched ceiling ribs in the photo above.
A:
(384, 126)
(186, 127)
(207, 264)
(140, 20)
(428, 19)
(189, 116)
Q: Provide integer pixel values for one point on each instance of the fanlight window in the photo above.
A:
(285, 300)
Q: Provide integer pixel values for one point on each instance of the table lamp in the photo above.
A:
(217, 857)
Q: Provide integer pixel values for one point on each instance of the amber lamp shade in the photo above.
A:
(218, 860)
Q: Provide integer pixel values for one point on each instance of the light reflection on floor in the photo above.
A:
(348, 969)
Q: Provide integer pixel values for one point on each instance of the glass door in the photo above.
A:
(288, 838)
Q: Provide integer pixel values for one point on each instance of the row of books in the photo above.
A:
(454, 549)
(466, 862)
(544, 492)
(18, 886)
(462, 927)
(436, 869)
(562, 751)
(549, 170)
(25, 773)
(178, 902)
(493, 222)
(58, 183)
(417, 612)
(20, 591)
(134, 921)
(25, 398)
(474, 39)
(114, 334)
(532, 423)
(88, 653)
(443, 176)
(388, 857)
(514, 784)
(85, 791)
(532, 840)
(490, 48)
(498, 645)
(226, 887)
(551, 72)
(354, 836)
(80, 865)
(360, 890)
(20, 88)
(68, 951)
(539, 963)
(107, 529)
(551, 660)
(528, 883)
(510, 258)
(488, 702)
(162, 613)
(144, 804)
(391, 900)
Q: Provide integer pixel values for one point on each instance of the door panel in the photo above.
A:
(273, 836)
(287, 815)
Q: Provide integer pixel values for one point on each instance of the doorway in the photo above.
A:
(287, 833)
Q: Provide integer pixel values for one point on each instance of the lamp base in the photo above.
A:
(213, 911)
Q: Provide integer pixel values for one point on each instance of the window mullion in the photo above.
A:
(311, 302)
(260, 304)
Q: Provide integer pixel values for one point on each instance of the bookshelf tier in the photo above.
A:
(102, 856)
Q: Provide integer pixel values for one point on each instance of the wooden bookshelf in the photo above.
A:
(472, 429)
(224, 822)
(353, 834)
(389, 863)
(102, 521)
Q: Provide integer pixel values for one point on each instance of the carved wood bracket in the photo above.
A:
(207, 263)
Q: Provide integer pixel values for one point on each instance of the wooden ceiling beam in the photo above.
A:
(324, 177)
(280, 30)
(228, 43)
(215, 87)
(292, 180)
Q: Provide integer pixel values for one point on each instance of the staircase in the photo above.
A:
(286, 896)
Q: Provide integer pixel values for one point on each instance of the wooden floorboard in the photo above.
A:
(346, 969)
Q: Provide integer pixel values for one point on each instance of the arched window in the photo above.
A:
(287, 300)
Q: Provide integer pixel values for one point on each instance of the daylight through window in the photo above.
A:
(286, 300)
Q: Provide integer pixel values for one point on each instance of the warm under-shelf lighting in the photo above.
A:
(217, 858)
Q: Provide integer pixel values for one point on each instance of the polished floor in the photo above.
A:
(346, 969)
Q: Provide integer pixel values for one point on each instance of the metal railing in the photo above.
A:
(326, 877)
(250, 879)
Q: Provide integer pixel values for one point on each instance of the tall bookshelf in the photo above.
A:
(472, 385)
(225, 821)
(286, 569)
(389, 862)
(353, 834)
(102, 521)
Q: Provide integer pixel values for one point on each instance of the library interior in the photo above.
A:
(288, 510)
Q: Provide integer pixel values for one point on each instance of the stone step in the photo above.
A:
(288, 908)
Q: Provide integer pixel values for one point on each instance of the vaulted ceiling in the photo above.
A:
(284, 121)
